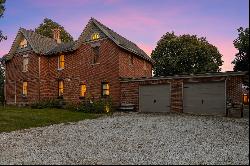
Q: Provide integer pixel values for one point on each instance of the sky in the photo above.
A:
(140, 21)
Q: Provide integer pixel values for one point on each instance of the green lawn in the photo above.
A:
(13, 118)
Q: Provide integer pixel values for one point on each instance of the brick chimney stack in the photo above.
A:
(56, 35)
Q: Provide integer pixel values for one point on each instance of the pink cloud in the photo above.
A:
(146, 48)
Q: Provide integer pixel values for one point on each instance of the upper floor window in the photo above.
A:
(25, 64)
(95, 36)
(105, 89)
(144, 65)
(60, 88)
(23, 43)
(131, 59)
(25, 88)
(83, 90)
(96, 54)
(61, 62)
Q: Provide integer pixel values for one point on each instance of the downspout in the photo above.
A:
(39, 73)
(15, 92)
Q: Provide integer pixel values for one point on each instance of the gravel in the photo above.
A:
(132, 138)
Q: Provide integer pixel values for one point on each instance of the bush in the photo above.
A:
(102, 105)
(52, 103)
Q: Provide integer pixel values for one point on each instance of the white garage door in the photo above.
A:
(204, 98)
(154, 98)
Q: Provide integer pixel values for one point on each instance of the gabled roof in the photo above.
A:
(118, 39)
(47, 46)
(40, 44)
(63, 47)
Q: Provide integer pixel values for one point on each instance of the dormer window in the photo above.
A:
(61, 62)
(95, 36)
(23, 43)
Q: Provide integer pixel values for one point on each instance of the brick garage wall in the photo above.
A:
(234, 88)
(135, 69)
(15, 78)
(177, 95)
(130, 89)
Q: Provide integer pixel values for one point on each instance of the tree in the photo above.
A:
(48, 25)
(2, 9)
(241, 60)
(185, 54)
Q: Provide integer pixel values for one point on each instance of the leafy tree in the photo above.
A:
(185, 54)
(241, 60)
(48, 25)
(2, 9)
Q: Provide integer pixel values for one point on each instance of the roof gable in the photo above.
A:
(115, 37)
(39, 44)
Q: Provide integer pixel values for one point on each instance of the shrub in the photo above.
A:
(102, 105)
(51, 103)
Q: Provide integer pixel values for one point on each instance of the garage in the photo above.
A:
(204, 98)
(154, 98)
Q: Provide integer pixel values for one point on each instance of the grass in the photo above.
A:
(14, 118)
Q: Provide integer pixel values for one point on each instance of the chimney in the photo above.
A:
(56, 35)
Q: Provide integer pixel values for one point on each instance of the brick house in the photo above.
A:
(102, 63)
(40, 68)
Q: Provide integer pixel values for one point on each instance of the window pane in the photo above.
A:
(25, 84)
(83, 90)
(60, 89)
(61, 61)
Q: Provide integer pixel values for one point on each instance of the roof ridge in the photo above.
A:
(32, 31)
(113, 31)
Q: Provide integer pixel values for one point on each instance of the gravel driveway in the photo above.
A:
(132, 138)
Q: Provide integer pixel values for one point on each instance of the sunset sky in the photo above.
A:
(141, 21)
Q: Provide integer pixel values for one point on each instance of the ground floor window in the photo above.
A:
(105, 89)
(25, 88)
(60, 88)
(83, 90)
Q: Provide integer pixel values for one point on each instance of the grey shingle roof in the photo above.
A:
(123, 42)
(40, 44)
(118, 39)
(48, 46)
(63, 47)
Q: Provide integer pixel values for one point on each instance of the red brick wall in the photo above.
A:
(136, 69)
(79, 68)
(130, 89)
(15, 78)
(234, 89)
(112, 64)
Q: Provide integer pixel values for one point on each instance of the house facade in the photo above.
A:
(102, 63)
(40, 68)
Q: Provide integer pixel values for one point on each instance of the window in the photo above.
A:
(96, 54)
(60, 88)
(23, 43)
(131, 59)
(105, 89)
(25, 64)
(144, 65)
(61, 62)
(83, 90)
(95, 36)
(25, 90)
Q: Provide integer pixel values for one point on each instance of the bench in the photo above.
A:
(127, 107)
